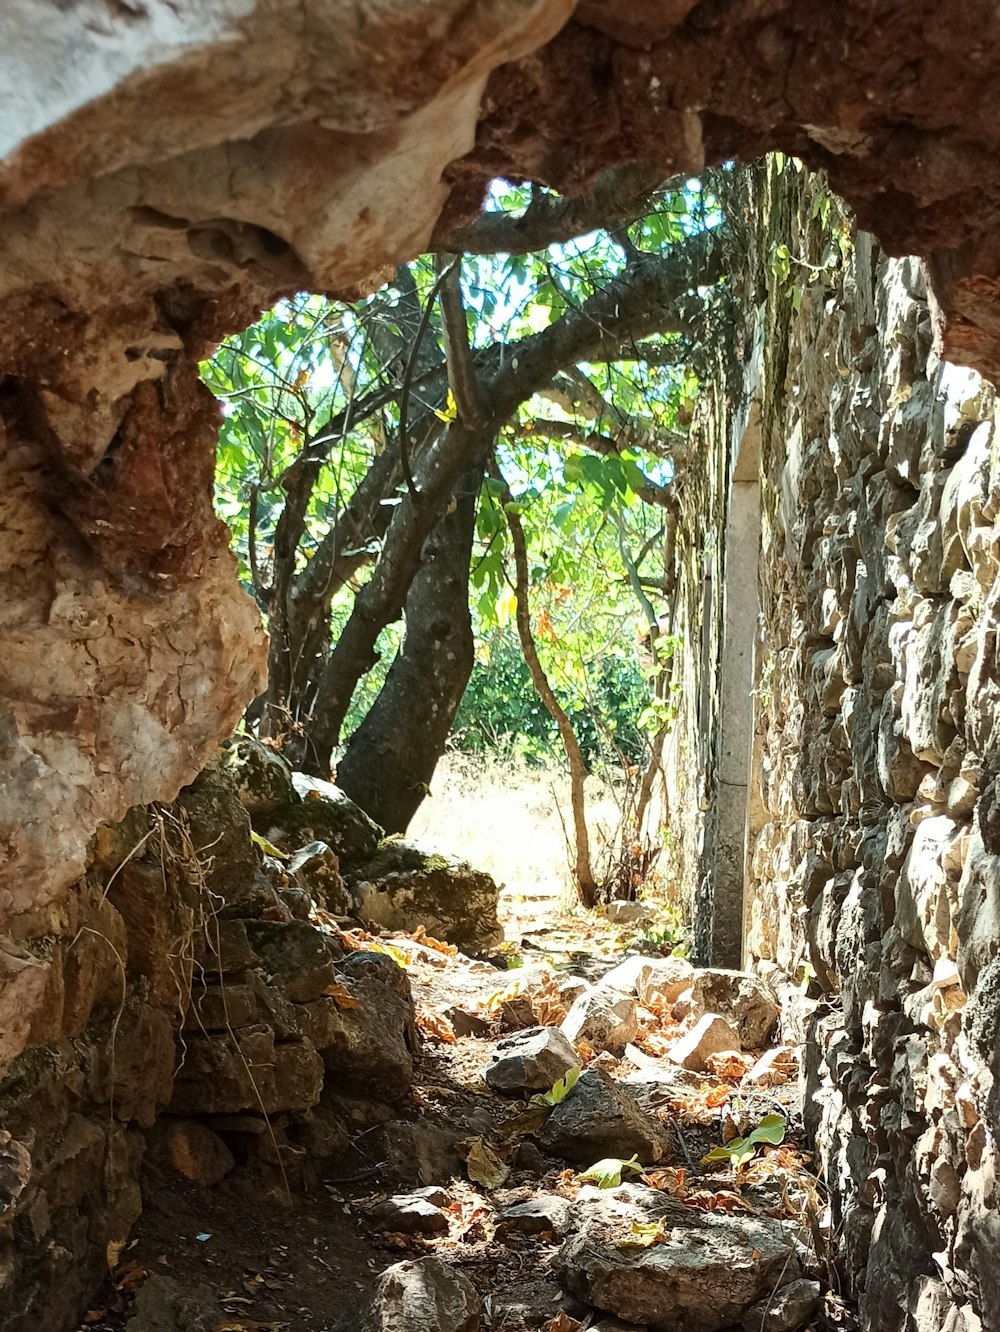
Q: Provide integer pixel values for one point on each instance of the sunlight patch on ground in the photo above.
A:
(504, 817)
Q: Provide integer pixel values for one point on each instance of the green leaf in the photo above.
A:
(771, 1129)
(739, 1151)
(608, 1173)
(267, 847)
(559, 1090)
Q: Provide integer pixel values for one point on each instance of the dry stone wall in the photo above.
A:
(195, 1009)
(873, 891)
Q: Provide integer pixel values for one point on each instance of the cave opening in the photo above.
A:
(832, 755)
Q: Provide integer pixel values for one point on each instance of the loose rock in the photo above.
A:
(630, 913)
(705, 1276)
(411, 1214)
(530, 1304)
(787, 1309)
(650, 978)
(316, 868)
(536, 1215)
(710, 1035)
(598, 1119)
(746, 1001)
(530, 1061)
(369, 1047)
(197, 1153)
(321, 812)
(406, 886)
(773, 1068)
(261, 777)
(606, 1019)
(165, 1305)
(425, 1295)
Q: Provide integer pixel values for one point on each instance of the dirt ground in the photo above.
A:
(278, 1261)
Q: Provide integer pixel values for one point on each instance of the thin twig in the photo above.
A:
(404, 392)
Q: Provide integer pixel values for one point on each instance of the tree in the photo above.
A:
(359, 440)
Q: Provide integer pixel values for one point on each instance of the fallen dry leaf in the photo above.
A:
(528, 1121)
(494, 1002)
(341, 995)
(667, 1180)
(421, 936)
(586, 1052)
(483, 1166)
(729, 1064)
(434, 1024)
(722, 1200)
(546, 1002)
(562, 1323)
(113, 1253)
(699, 1107)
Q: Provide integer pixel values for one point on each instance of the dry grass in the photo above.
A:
(504, 817)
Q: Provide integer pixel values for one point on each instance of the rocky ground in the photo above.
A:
(596, 1136)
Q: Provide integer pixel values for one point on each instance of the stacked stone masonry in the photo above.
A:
(873, 884)
(192, 1011)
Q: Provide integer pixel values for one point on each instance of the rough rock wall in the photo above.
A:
(878, 864)
(191, 1014)
(872, 897)
(163, 176)
(165, 171)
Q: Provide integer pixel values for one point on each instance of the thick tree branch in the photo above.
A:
(626, 435)
(637, 303)
(620, 195)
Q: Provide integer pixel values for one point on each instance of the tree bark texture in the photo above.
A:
(392, 755)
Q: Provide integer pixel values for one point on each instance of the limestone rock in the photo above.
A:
(746, 1001)
(424, 1295)
(530, 1061)
(231, 1072)
(531, 1303)
(411, 1214)
(787, 1309)
(317, 869)
(423, 1152)
(598, 1119)
(570, 988)
(369, 1048)
(165, 1305)
(545, 1212)
(261, 777)
(406, 886)
(774, 1068)
(197, 1153)
(219, 829)
(606, 1019)
(710, 1035)
(321, 812)
(650, 978)
(637, 914)
(710, 1270)
(296, 954)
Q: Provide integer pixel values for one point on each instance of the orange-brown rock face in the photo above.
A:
(162, 177)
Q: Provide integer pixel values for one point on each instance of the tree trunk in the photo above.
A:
(392, 755)
(585, 879)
